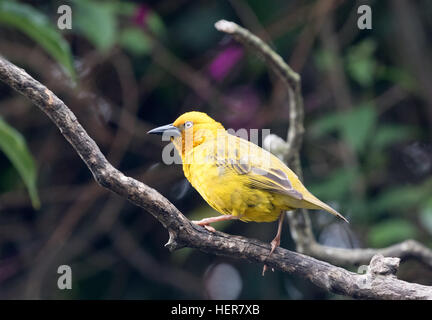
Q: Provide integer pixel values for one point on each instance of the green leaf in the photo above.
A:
(123, 8)
(361, 64)
(398, 76)
(390, 134)
(135, 41)
(155, 23)
(12, 143)
(399, 198)
(38, 27)
(97, 22)
(326, 124)
(355, 125)
(336, 185)
(390, 232)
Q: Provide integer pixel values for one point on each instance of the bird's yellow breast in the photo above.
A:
(227, 191)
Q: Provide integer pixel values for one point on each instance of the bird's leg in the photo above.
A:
(206, 222)
(276, 241)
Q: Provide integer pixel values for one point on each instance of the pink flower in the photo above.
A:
(224, 62)
(141, 14)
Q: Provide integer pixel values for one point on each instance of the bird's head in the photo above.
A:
(189, 130)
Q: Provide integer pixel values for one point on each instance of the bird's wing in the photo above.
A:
(260, 169)
(274, 180)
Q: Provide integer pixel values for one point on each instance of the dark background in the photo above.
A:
(126, 67)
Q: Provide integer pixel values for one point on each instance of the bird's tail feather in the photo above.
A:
(315, 203)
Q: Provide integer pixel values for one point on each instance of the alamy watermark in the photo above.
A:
(65, 20)
(365, 281)
(232, 148)
(364, 21)
(65, 280)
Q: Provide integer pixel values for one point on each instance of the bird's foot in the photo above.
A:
(265, 269)
(206, 221)
(274, 244)
(205, 225)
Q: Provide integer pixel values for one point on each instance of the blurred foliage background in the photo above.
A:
(126, 67)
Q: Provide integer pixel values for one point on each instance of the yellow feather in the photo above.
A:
(237, 177)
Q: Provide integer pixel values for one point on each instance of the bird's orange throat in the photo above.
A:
(186, 143)
(190, 139)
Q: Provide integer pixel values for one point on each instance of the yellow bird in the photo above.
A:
(236, 177)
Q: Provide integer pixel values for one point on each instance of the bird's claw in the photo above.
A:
(274, 244)
(207, 226)
(265, 269)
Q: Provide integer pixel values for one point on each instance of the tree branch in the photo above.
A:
(378, 283)
(408, 249)
(300, 224)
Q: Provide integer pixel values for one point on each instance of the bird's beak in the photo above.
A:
(168, 130)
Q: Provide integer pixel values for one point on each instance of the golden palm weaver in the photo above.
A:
(237, 178)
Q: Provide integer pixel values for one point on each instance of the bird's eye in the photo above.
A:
(188, 124)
